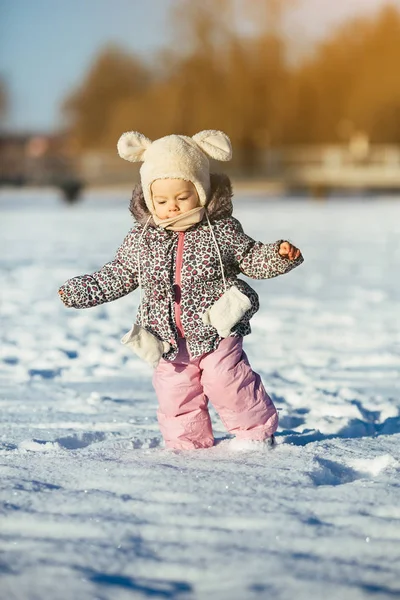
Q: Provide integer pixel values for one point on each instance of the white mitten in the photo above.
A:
(145, 345)
(227, 311)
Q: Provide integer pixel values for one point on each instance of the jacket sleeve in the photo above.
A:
(255, 259)
(114, 280)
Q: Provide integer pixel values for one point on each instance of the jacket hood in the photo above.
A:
(218, 205)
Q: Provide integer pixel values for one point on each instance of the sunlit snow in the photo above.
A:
(93, 506)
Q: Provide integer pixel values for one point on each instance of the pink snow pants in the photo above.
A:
(223, 377)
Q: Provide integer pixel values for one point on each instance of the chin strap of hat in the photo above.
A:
(218, 250)
(140, 272)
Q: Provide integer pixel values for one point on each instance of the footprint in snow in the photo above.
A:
(329, 472)
(70, 442)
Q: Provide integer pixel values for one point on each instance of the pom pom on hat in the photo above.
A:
(175, 157)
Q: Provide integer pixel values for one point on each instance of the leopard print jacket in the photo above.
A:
(201, 281)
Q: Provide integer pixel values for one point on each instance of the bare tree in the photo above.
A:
(227, 68)
(351, 80)
(232, 68)
(114, 77)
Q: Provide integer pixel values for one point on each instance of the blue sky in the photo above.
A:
(47, 46)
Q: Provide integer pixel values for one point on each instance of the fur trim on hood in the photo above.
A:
(218, 205)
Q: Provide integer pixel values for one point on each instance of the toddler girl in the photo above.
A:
(185, 253)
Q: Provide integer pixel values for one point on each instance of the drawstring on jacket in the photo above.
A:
(218, 251)
(139, 269)
(226, 312)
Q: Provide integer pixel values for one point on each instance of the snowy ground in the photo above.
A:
(92, 505)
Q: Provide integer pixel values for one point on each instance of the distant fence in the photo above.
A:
(26, 160)
(333, 166)
(340, 167)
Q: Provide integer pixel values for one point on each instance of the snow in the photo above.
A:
(93, 506)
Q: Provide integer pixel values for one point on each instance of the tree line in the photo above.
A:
(232, 71)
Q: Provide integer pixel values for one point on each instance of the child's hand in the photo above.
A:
(289, 251)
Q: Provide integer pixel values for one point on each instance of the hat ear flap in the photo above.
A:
(215, 144)
(132, 146)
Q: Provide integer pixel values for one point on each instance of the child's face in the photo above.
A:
(173, 197)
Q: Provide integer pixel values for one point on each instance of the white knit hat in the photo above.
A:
(175, 157)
